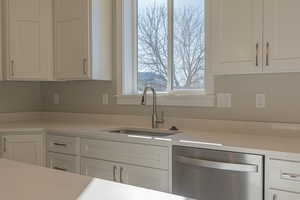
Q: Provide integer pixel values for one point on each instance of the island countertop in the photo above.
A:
(26, 182)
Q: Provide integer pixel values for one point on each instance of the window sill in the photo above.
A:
(202, 100)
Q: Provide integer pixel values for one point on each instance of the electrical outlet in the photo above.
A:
(56, 99)
(220, 100)
(224, 100)
(260, 100)
(227, 98)
(105, 99)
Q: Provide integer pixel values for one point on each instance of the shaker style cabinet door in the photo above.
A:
(236, 36)
(24, 148)
(71, 39)
(99, 169)
(30, 39)
(150, 178)
(281, 35)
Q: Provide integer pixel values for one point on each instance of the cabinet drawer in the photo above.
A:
(63, 162)
(62, 144)
(280, 195)
(285, 175)
(144, 155)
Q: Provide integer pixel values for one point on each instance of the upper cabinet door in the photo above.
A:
(71, 39)
(236, 36)
(281, 35)
(30, 40)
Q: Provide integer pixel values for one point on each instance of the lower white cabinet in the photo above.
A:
(24, 148)
(99, 169)
(155, 179)
(150, 178)
(63, 162)
(283, 179)
(281, 195)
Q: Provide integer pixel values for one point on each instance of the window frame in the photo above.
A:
(126, 28)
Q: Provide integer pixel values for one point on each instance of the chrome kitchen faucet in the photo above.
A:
(155, 119)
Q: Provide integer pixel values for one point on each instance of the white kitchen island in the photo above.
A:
(20, 181)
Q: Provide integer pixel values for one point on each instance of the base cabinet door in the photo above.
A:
(24, 148)
(281, 195)
(99, 169)
(150, 178)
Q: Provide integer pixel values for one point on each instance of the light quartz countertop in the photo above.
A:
(25, 182)
(262, 141)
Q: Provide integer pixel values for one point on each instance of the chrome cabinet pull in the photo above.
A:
(114, 173)
(60, 144)
(61, 169)
(267, 53)
(12, 65)
(4, 144)
(84, 66)
(290, 176)
(121, 174)
(256, 58)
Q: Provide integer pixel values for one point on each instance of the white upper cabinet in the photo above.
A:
(254, 36)
(71, 39)
(83, 41)
(30, 40)
(237, 36)
(281, 34)
(56, 40)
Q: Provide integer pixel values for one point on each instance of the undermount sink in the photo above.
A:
(144, 132)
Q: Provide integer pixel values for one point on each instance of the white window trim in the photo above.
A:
(174, 98)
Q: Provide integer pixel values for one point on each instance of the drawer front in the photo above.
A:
(63, 162)
(62, 144)
(280, 195)
(144, 155)
(285, 175)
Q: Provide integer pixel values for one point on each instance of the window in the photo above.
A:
(164, 44)
(158, 65)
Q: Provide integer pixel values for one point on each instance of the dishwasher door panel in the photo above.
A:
(217, 175)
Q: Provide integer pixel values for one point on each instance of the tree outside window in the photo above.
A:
(188, 45)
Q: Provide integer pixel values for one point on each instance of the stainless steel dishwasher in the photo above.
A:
(217, 175)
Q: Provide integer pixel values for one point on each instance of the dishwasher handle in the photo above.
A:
(217, 165)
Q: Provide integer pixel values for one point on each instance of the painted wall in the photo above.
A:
(282, 93)
(20, 97)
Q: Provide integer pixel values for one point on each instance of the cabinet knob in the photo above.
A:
(275, 197)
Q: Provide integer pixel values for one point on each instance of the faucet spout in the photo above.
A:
(155, 119)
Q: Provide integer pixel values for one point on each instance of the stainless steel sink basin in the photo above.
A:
(144, 132)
